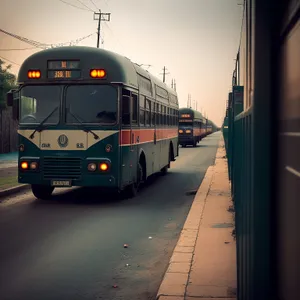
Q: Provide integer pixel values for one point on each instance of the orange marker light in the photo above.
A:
(97, 73)
(24, 165)
(103, 167)
(34, 74)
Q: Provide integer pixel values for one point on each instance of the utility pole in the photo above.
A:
(100, 17)
(189, 102)
(164, 74)
(174, 85)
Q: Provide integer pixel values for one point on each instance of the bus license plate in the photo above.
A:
(61, 183)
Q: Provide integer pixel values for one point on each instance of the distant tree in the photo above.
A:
(7, 82)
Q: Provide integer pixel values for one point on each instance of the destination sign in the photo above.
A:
(64, 74)
(185, 116)
(63, 64)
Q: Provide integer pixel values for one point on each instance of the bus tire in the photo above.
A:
(132, 189)
(164, 170)
(42, 192)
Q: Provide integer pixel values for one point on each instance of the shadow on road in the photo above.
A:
(97, 196)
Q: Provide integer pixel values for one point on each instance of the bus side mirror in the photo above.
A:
(12, 99)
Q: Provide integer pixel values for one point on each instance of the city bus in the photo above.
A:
(91, 118)
(192, 127)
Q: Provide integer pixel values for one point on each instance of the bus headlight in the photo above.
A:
(180, 131)
(92, 167)
(24, 165)
(103, 166)
(33, 165)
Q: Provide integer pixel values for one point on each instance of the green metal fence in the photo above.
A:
(242, 193)
(240, 166)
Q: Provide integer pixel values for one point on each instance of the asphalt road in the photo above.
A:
(71, 247)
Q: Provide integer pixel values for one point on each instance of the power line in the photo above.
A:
(42, 45)
(18, 49)
(94, 4)
(10, 61)
(23, 39)
(70, 42)
(118, 41)
(74, 5)
(85, 5)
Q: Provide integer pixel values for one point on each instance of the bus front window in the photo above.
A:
(185, 125)
(37, 102)
(91, 104)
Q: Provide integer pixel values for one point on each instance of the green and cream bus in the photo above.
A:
(90, 117)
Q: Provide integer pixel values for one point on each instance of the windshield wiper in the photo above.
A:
(40, 126)
(96, 137)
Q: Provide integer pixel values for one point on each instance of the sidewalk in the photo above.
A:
(203, 265)
(9, 174)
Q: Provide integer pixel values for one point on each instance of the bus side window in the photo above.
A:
(148, 113)
(126, 108)
(142, 117)
(142, 110)
(153, 114)
(134, 109)
(157, 114)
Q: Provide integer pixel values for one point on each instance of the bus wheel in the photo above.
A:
(132, 189)
(195, 144)
(43, 192)
(183, 145)
(164, 170)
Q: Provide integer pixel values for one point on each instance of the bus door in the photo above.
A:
(153, 116)
(134, 132)
(134, 136)
(127, 138)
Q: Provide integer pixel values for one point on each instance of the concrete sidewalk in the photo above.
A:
(8, 160)
(203, 265)
(9, 175)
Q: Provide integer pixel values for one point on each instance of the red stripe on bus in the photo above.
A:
(146, 135)
(198, 131)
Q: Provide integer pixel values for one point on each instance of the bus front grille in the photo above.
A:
(61, 168)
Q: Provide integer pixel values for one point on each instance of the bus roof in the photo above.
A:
(194, 113)
(120, 69)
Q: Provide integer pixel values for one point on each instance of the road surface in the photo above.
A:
(72, 247)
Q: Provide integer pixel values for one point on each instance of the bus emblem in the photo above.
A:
(63, 141)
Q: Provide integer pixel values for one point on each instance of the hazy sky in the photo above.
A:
(197, 40)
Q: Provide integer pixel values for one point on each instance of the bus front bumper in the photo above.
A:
(85, 180)
(185, 140)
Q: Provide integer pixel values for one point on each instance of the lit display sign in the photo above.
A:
(64, 69)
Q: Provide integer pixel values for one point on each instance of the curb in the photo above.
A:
(13, 190)
(175, 280)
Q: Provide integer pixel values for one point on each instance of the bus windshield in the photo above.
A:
(91, 104)
(185, 124)
(37, 102)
